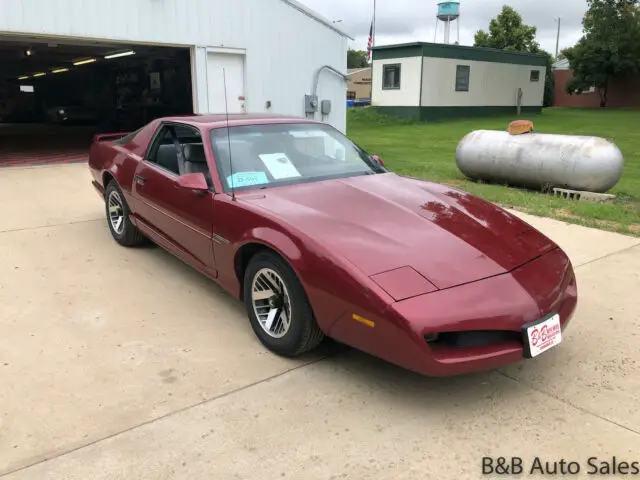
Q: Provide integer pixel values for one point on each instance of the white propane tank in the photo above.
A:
(540, 160)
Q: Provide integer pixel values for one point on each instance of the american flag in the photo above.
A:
(370, 43)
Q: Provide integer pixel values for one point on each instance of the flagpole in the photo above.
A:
(373, 44)
(373, 40)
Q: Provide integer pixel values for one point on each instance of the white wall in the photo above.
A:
(408, 95)
(283, 45)
(490, 84)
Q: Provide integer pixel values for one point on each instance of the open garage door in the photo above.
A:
(55, 95)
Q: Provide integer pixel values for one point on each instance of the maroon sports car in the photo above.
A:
(318, 238)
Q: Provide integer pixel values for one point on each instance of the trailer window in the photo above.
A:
(534, 76)
(391, 77)
(462, 78)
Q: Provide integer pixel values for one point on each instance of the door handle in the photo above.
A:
(140, 179)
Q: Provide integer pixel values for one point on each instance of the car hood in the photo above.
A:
(384, 222)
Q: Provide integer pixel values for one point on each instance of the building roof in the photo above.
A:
(351, 71)
(460, 52)
(561, 65)
(316, 16)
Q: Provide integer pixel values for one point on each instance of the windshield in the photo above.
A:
(284, 154)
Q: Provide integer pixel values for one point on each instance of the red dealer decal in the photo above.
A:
(545, 335)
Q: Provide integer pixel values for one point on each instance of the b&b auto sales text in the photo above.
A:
(540, 466)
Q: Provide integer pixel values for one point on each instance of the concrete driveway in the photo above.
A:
(125, 363)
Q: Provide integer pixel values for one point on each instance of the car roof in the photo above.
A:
(235, 119)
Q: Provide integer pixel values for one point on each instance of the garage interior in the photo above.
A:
(55, 95)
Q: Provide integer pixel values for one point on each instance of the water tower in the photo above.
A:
(447, 13)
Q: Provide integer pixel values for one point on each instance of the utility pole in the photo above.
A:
(558, 38)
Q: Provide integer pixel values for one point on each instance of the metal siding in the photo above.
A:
(408, 95)
(199, 79)
(284, 46)
(490, 84)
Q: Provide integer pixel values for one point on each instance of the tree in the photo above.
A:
(508, 32)
(609, 47)
(549, 80)
(357, 59)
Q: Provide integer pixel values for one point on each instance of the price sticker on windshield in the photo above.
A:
(246, 179)
(279, 165)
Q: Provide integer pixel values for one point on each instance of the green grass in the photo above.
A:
(427, 150)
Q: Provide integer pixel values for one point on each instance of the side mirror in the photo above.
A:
(377, 159)
(193, 181)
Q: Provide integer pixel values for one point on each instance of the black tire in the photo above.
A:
(303, 334)
(127, 235)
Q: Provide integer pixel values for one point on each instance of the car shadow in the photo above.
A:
(352, 364)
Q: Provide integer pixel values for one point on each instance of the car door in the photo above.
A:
(181, 218)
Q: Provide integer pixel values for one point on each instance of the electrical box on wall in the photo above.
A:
(310, 104)
(325, 107)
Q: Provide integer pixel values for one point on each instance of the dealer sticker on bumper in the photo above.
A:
(542, 335)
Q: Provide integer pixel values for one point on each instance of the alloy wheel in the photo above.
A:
(116, 212)
(271, 303)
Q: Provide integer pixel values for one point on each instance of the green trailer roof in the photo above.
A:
(459, 52)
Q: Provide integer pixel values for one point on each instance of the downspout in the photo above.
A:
(316, 79)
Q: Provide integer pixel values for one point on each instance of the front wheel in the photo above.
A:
(123, 231)
(278, 307)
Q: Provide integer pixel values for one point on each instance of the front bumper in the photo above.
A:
(491, 311)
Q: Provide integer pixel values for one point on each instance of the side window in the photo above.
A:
(391, 77)
(534, 76)
(462, 78)
(165, 154)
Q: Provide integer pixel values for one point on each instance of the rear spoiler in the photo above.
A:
(109, 136)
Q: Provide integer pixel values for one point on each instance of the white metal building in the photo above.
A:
(432, 81)
(271, 50)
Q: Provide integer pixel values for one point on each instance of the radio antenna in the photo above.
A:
(226, 112)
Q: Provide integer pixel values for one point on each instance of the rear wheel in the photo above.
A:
(278, 307)
(123, 231)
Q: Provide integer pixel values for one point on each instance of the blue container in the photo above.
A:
(448, 10)
(350, 103)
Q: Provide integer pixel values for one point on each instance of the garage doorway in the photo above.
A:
(233, 65)
(56, 94)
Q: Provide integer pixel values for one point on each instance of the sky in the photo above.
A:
(399, 21)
